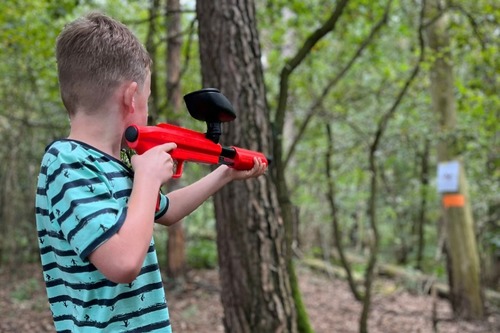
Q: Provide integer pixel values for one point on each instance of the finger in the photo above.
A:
(166, 147)
(257, 169)
(257, 162)
(263, 167)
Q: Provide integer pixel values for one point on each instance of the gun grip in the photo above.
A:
(178, 169)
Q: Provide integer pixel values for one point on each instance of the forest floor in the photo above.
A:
(197, 308)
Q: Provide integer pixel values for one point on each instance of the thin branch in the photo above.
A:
(159, 14)
(187, 54)
(382, 125)
(385, 118)
(337, 234)
(313, 110)
(472, 22)
(180, 34)
(294, 62)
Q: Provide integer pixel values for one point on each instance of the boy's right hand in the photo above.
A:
(155, 163)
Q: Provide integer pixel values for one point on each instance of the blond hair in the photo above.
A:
(95, 54)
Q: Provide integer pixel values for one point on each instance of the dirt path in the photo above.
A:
(197, 308)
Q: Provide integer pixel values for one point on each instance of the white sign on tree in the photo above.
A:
(448, 176)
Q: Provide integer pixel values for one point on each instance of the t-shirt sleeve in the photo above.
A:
(163, 207)
(83, 205)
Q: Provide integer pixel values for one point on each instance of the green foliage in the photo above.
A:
(202, 254)
(201, 247)
(356, 103)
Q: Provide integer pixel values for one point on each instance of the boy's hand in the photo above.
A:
(259, 168)
(156, 162)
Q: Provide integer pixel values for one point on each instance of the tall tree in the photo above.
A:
(175, 246)
(256, 293)
(176, 258)
(461, 246)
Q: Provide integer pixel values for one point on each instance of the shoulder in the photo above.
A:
(57, 154)
(64, 158)
(62, 151)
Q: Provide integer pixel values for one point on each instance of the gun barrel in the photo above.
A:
(244, 159)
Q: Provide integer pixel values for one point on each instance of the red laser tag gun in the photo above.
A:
(207, 105)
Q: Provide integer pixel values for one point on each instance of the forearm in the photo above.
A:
(184, 201)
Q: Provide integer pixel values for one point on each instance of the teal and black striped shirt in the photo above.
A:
(81, 202)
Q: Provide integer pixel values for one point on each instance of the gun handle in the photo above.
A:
(178, 169)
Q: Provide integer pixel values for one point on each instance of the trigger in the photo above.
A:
(178, 169)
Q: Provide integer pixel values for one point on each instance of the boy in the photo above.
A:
(94, 214)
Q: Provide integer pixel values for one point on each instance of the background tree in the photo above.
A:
(176, 257)
(461, 248)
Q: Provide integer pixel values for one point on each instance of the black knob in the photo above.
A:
(131, 134)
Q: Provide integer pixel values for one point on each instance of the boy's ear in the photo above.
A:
(129, 96)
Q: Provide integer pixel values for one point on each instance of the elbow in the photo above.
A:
(121, 271)
(125, 275)
(119, 261)
(170, 218)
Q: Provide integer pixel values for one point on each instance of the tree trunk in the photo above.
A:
(174, 49)
(461, 246)
(256, 293)
(176, 256)
(424, 185)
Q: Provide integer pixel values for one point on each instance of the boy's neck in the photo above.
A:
(98, 132)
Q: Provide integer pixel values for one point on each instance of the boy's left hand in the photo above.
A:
(259, 168)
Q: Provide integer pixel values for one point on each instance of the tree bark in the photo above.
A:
(173, 60)
(256, 293)
(461, 247)
(154, 107)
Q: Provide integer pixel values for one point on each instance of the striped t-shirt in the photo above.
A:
(81, 202)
